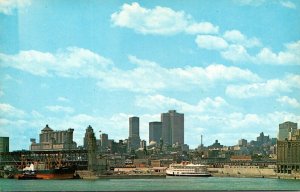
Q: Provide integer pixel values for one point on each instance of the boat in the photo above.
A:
(28, 173)
(187, 169)
(63, 172)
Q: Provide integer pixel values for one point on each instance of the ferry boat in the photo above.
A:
(186, 169)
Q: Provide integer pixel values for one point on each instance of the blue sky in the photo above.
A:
(232, 67)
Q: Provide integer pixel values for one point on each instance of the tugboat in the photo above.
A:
(28, 173)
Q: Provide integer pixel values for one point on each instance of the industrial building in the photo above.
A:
(286, 129)
(288, 150)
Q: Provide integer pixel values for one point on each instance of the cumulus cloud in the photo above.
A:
(202, 28)
(236, 53)
(149, 77)
(7, 110)
(288, 4)
(7, 6)
(289, 56)
(146, 76)
(159, 21)
(72, 62)
(63, 99)
(264, 89)
(58, 108)
(233, 46)
(292, 102)
(211, 42)
(162, 103)
(236, 37)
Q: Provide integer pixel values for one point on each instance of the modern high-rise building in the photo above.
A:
(155, 131)
(242, 143)
(4, 144)
(134, 126)
(54, 140)
(172, 127)
(104, 140)
(134, 133)
(286, 129)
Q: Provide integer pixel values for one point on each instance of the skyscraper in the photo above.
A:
(104, 140)
(4, 144)
(134, 133)
(286, 129)
(155, 131)
(172, 127)
(134, 126)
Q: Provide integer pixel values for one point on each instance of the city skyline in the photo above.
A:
(231, 67)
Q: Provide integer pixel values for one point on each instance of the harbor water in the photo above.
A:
(169, 183)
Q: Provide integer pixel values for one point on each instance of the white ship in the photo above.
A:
(185, 169)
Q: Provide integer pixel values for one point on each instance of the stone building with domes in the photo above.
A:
(54, 140)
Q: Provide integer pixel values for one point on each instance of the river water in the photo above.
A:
(177, 183)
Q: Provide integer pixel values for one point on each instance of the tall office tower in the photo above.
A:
(242, 142)
(104, 140)
(286, 129)
(155, 131)
(4, 144)
(172, 127)
(134, 133)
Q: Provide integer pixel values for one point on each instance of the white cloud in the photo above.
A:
(285, 100)
(288, 4)
(7, 110)
(290, 56)
(57, 108)
(211, 42)
(162, 103)
(7, 6)
(159, 21)
(236, 37)
(72, 62)
(63, 99)
(236, 53)
(149, 77)
(264, 89)
(234, 48)
(202, 28)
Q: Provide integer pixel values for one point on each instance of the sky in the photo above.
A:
(231, 66)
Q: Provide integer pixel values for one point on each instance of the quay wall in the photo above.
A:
(250, 171)
(233, 171)
(85, 174)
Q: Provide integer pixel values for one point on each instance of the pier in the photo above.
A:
(48, 159)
